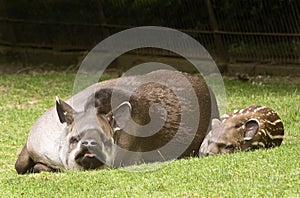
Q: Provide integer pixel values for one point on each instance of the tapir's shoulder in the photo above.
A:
(44, 139)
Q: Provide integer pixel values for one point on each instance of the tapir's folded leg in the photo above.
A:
(42, 167)
(24, 163)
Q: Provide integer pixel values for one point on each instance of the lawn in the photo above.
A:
(262, 173)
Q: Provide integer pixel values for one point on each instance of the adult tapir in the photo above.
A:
(158, 116)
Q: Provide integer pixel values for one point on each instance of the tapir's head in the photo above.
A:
(90, 135)
(229, 137)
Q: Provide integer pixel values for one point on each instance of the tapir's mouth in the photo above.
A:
(89, 154)
(88, 160)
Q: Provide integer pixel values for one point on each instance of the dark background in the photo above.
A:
(233, 31)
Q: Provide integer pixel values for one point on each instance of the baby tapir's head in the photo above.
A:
(90, 135)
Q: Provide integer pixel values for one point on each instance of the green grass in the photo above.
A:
(262, 173)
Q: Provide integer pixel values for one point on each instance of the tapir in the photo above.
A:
(158, 116)
(251, 128)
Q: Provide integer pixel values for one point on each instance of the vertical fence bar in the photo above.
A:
(217, 37)
(102, 20)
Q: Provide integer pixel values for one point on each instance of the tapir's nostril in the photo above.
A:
(89, 143)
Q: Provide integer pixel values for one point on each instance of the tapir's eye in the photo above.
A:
(74, 140)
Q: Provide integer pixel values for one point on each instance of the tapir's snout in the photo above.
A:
(90, 155)
(89, 143)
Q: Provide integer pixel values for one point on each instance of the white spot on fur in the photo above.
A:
(273, 123)
(224, 116)
(258, 144)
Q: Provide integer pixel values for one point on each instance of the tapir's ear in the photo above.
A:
(65, 112)
(251, 127)
(119, 117)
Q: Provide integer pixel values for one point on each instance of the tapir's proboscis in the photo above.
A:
(88, 131)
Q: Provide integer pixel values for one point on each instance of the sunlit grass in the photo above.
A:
(262, 173)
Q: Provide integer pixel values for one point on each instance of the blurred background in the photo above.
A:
(252, 37)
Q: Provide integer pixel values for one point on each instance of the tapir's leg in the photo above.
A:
(24, 163)
(41, 167)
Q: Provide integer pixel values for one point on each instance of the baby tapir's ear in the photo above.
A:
(64, 111)
(252, 127)
(119, 117)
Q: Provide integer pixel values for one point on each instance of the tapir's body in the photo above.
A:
(246, 129)
(134, 142)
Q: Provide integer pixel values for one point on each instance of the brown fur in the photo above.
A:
(150, 93)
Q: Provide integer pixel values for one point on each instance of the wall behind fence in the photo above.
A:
(231, 30)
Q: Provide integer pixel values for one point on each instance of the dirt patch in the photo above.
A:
(241, 74)
(264, 78)
(18, 68)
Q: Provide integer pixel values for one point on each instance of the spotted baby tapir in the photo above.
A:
(242, 130)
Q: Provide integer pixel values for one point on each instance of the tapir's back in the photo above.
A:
(188, 106)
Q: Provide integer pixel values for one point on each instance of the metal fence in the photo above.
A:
(231, 30)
